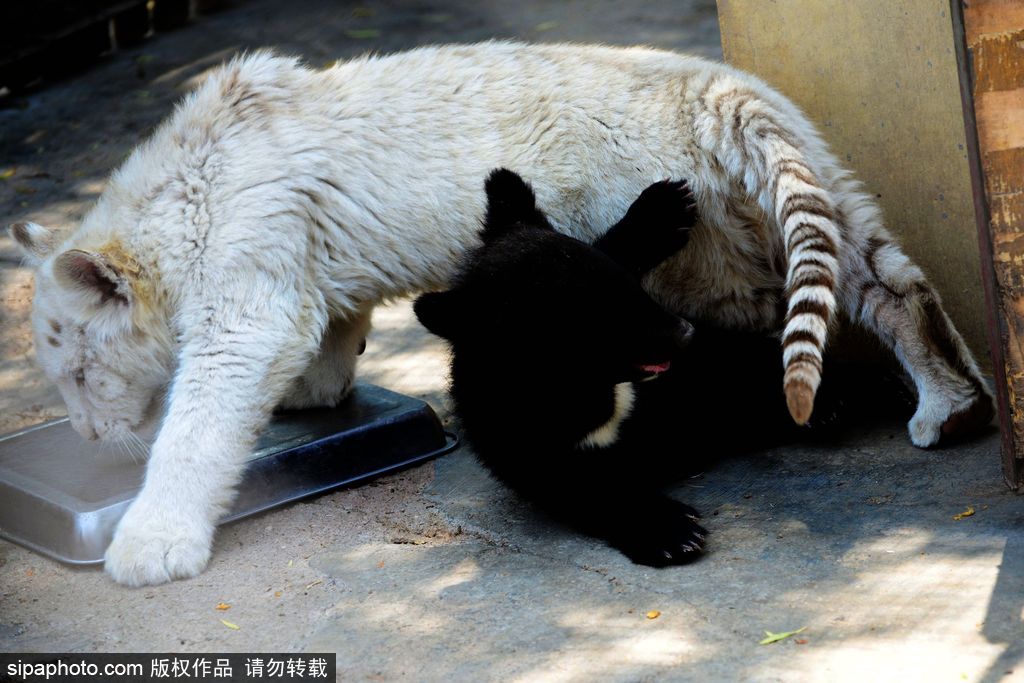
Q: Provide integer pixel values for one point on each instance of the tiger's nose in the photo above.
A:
(88, 432)
(84, 428)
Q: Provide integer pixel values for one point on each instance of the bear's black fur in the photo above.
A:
(550, 337)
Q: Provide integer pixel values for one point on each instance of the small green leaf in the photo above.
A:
(362, 33)
(233, 627)
(776, 637)
(9, 173)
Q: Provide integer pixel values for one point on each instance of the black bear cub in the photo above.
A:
(580, 392)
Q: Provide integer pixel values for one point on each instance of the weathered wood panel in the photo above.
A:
(880, 79)
(991, 17)
(995, 39)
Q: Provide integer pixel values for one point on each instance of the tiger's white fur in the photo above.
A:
(233, 260)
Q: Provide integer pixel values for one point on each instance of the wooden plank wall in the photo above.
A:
(995, 41)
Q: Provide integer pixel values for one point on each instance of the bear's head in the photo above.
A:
(533, 305)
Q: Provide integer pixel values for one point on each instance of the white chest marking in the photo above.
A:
(608, 433)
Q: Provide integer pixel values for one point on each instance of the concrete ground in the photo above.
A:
(438, 573)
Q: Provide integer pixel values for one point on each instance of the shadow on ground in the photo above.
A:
(857, 542)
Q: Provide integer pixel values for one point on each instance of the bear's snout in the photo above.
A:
(683, 334)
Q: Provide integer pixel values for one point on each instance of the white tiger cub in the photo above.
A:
(232, 263)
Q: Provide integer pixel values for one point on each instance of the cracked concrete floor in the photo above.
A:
(438, 573)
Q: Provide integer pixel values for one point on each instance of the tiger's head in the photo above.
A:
(101, 332)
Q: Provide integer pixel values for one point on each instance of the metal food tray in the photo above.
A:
(62, 496)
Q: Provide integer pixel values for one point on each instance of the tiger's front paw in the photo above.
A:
(153, 545)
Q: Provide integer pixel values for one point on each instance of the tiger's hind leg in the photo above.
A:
(887, 293)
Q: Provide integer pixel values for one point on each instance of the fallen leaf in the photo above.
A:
(800, 641)
(966, 513)
(362, 33)
(9, 173)
(315, 583)
(277, 594)
(776, 637)
(222, 606)
(30, 573)
(290, 562)
(653, 614)
(380, 565)
(545, 26)
(233, 627)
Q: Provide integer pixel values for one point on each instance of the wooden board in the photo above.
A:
(993, 62)
(880, 79)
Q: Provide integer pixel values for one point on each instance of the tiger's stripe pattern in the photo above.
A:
(753, 135)
(793, 240)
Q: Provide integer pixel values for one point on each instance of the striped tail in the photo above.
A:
(809, 231)
(758, 143)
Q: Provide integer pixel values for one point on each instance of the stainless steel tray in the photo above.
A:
(62, 496)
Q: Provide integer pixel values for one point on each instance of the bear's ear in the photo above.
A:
(511, 205)
(441, 312)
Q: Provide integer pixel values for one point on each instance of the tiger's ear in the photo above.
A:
(511, 205)
(35, 241)
(442, 313)
(92, 277)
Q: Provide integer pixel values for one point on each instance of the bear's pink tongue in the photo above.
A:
(655, 367)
